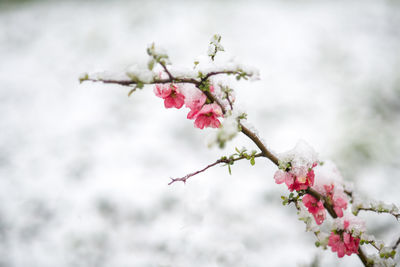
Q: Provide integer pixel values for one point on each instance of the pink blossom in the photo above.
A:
(303, 178)
(298, 178)
(315, 207)
(207, 116)
(171, 95)
(195, 102)
(339, 204)
(343, 242)
(283, 177)
(336, 244)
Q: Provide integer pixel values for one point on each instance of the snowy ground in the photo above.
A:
(84, 169)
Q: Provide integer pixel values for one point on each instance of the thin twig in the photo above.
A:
(350, 195)
(222, 160)
(396, 244)
(229, 100)
(396, 215)
(213, 73)
(166, 70)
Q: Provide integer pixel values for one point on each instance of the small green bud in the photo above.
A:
(83, 77)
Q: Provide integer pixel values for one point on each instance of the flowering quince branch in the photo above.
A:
(316, 188)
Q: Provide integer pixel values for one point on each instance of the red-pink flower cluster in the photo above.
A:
(298, 178)
(343, 242)
(315, 207)
(205, 115)
(172, 96)
(339, 203)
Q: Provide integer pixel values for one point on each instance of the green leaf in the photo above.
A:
(252, 161)
(150, 65)
(229, 169)
(139, 85)
(131, 91)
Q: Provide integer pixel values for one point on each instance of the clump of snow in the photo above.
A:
(182, 72)
(328, 174)
(301, 155)
(224, 63)
(138, 72)
(156, 49)
(351, 223)
(107, 75)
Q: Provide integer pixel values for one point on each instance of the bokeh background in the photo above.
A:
(84, 169)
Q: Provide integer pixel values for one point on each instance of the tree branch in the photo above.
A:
(253, 136)
(155, 81)
(171, 78)
(222, 160)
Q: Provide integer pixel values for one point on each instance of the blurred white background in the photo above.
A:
(84, 169)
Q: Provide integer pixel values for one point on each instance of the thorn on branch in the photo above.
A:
(183, 179)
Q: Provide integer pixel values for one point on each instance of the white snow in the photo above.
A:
(302, 155)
